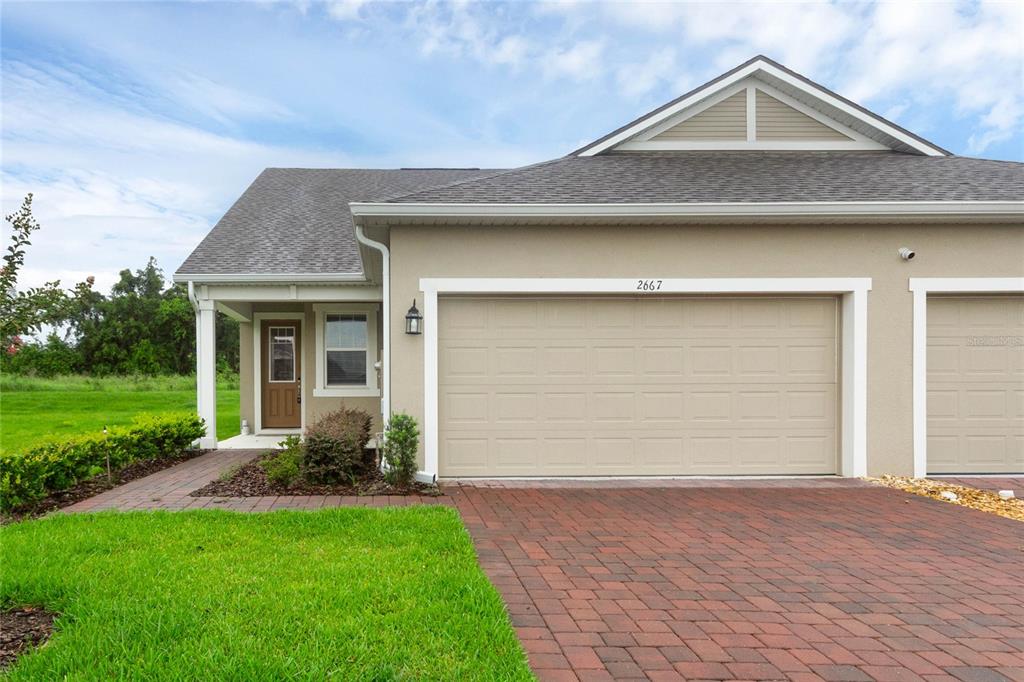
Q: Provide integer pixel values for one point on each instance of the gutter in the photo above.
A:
(933, 210)
(265, 277)
(385, 389)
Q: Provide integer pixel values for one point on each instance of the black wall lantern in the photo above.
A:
(413, 320)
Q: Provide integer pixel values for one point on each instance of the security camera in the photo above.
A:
(905, 253)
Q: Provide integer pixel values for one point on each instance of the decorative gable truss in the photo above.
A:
(761, 105)
(750, 115)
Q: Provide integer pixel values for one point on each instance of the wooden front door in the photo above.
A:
(281, 349)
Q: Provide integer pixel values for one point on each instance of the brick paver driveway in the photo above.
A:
(838, 583)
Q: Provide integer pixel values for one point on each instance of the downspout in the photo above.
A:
(385, 390)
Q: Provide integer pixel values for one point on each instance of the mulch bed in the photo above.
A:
(250, 480)
(98, 484)
(982, 500)
(22, 630)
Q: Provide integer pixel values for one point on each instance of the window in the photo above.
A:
(345, 345)
(346, 350)
(282, 354)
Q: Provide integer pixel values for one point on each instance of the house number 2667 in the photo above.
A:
(648, 285)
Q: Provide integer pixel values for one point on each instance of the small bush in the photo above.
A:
(401, 443)
(50, 467)
(335, 447)
(283, 467)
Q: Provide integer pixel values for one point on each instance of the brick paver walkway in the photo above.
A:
(834, 583)
(170, 488)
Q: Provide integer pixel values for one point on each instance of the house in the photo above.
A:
(758, 278)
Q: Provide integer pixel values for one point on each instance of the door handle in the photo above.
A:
(298, 393)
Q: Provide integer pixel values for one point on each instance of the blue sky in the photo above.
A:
(137, 125)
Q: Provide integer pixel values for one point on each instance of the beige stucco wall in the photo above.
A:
(720, 251)
(315, 407)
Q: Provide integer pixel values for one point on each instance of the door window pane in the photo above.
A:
(282, 354)
(346, 367)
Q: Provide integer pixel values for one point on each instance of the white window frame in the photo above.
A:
(853, 292)
(320, 388)
(922, 287)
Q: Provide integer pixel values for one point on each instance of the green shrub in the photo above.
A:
(283, 467)
(57, 465)
(335, 447)
(401, 443)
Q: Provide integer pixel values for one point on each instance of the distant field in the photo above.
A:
(32, 410)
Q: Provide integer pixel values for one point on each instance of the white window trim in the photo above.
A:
(922, 287)
(854, 291)
(257, 363)
(320, 387)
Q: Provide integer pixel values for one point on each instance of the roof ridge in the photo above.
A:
(501, 172)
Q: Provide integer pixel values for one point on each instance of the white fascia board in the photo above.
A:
(764, 67)
(936, 209)
(264, 277)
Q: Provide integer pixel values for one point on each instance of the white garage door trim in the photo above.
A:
(854, 291)
(921, 288)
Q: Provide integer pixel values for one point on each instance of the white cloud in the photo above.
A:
(345, 10)
(114, 186)
(641, 78)
(581, 61)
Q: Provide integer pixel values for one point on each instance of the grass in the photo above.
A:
(369, 594)
(33, 409)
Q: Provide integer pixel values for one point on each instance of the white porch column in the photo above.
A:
(206, 370)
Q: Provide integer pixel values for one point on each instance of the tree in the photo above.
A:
(27, 311)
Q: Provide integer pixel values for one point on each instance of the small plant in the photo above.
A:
(335, 447)
(401, 443)
(229, 473)
(283, 467)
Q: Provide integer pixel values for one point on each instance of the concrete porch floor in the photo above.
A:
(252, 442)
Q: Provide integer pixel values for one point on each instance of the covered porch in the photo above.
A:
(305, 348)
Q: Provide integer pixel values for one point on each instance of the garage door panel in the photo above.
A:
(975, 385)
(724, 386)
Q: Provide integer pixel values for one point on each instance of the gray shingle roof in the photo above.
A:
(297, 220)
(741, 176)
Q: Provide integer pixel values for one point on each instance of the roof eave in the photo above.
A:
(937, 211)
(272, 278)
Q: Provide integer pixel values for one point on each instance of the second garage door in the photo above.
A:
(976, 385)
(637, 386)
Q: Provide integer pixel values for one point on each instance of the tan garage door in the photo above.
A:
(976, 385)
(637, 386)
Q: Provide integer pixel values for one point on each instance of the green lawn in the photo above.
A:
(33, 409)
(367, 594)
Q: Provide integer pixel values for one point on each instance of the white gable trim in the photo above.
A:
(686, 114)
(752, 69)
(645, 141)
